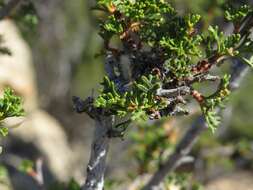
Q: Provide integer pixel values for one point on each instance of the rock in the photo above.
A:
(38, 127)
(17, 70)
(47, 135)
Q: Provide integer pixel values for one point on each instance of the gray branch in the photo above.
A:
(169, 93)
(203, 78)
(100, 145)
(97, 163)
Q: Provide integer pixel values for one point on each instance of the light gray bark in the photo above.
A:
(99, 149)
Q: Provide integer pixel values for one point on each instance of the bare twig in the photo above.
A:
(184, 90)
(169, 93)
(202, 78)
(39, 171)
(6, 10)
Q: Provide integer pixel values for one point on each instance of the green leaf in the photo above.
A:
(3, 172)
(10, 105)
(141, 87)
(248, 61)
(73, 185)
(4, 131)
(26, 166)
(237, 14)
(215, 100)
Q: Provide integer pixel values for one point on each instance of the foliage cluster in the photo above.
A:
(166, 54)
(10, 106)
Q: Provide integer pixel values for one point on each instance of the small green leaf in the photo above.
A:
(73, 185)
(4, 131)
(248, 61)
(26, 166)
(236, 14)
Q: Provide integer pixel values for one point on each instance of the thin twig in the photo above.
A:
(202, 78)
(37, 174)
(169, 93)
(39, 171)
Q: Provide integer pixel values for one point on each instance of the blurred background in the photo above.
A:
(54, 44)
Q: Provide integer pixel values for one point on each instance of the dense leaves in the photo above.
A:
(140, 101)
(10, 106)
(157, 40)
(217, 99)
(237, 14)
